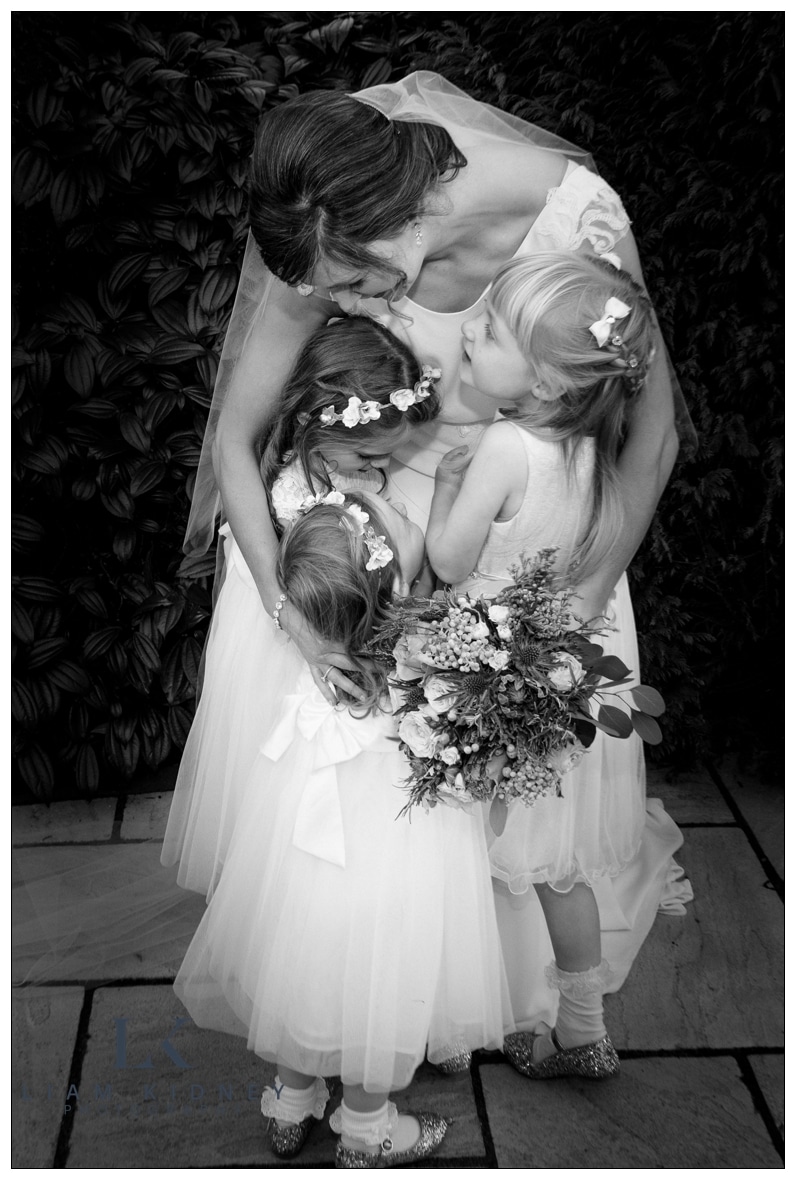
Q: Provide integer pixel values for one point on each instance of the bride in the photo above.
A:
(399, 203)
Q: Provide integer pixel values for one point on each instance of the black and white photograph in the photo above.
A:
(397, 561)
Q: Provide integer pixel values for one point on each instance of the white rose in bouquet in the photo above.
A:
(566, 759)
(439, 693)
(421, 739)
(567, 671)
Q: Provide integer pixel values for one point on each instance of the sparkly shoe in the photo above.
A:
(458, 1063)
(598, 1060)
(290, 1115)
(287, 1141)
(432, 1132)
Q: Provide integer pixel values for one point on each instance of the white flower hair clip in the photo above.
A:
(380, 552)
(356, 413)
(615, 310)
(404, 398)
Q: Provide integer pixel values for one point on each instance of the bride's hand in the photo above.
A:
(328, 667)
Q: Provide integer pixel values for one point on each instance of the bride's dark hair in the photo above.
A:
(330, 173)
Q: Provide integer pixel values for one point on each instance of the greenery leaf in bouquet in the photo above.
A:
(648, 700)
(646, 727)
(614, 721)
(498, 814)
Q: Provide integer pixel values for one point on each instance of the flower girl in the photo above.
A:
(341, 940)
(564, 341)
(353, 395)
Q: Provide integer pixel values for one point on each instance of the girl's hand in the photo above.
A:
(452, 466)
(328, 667)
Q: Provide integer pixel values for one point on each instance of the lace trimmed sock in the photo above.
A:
(367, 1130)
(290, 1106)
(580, 1009)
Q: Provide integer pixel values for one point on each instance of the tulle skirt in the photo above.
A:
(594, 829)
(249, 666)
(360, 968)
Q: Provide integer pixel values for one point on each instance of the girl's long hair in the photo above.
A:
(353, 357)
(330, 174)
(548, 302)
(321, 569)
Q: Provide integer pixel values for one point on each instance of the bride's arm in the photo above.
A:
(253, 398)
(644, 465)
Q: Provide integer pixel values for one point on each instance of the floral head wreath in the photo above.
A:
(380, 554)
(358, 412)
(604, 333)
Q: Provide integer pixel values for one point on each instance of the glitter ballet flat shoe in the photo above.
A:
(432, 1132)
(287, 1141)
(458, 1063)
(598, 1060)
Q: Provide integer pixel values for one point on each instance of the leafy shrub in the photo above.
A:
(131, 148)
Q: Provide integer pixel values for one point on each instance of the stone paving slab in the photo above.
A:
(676, 1112)
(762, 805)
(691, 798)
(145, 816)
(89, 886)
(769, 1070)
(74, 821)
(207, 1115)
(45, 1022)
(713, 979)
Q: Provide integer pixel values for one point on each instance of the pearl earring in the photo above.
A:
(418, 234)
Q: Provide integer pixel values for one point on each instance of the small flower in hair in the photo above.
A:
(355, 414)
(615, 310)
(359, 517)
(380, 552)
(404, 398)
(332, 497)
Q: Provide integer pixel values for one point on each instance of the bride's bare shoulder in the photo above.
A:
(511, 175)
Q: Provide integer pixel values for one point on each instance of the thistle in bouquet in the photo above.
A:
(499, 699)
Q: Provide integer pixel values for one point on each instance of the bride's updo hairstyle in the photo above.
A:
(330, 173)
(321, 568)
(351, 357)
(549, 302)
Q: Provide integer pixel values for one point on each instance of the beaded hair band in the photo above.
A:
(358, 412)
(603, 332)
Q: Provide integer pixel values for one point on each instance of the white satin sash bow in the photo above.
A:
(336, 737)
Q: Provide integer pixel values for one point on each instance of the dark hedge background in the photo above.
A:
(131, 137)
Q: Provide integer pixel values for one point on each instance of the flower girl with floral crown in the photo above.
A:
(340, 940)
(562, 343)
(353, 395)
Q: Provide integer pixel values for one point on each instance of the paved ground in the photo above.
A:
(103, 1079)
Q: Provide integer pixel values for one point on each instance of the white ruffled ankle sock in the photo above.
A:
(290, 1106)
(580, 1009)
(367, 1130)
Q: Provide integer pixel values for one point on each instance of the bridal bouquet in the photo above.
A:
(504, 695)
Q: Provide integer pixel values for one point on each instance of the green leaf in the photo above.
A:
(498, 814)
(614, 720)
(648, 700)
(610, 668)
(647, 729)
(31, 176)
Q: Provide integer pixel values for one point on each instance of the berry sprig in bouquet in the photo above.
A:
(500, 698)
